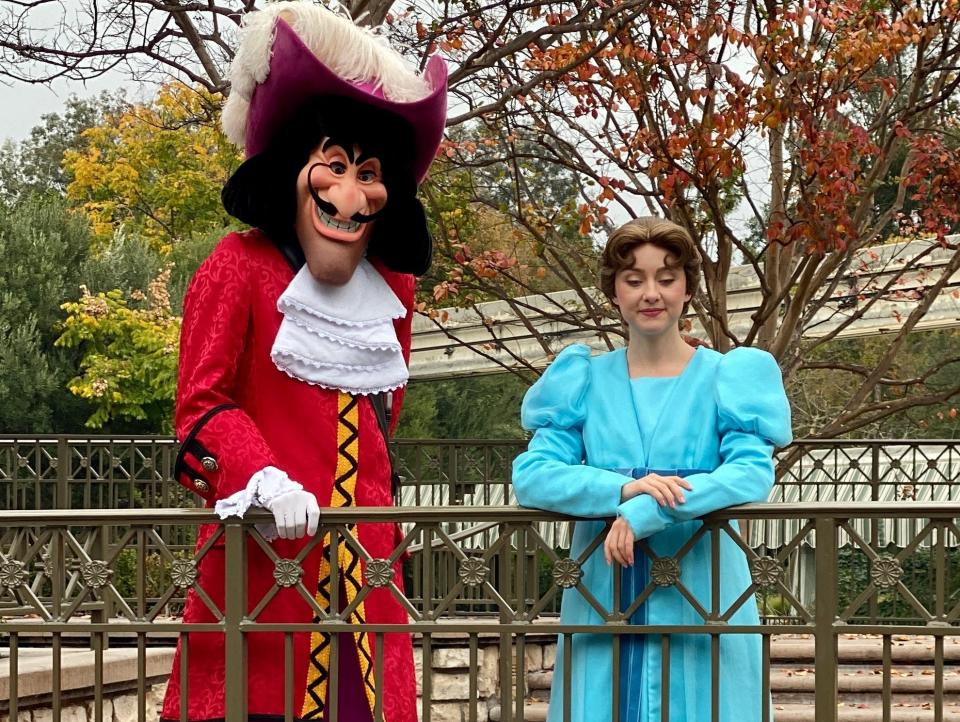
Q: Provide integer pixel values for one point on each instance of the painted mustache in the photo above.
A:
(329, 208)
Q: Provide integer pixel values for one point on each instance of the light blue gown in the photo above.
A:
(717, 424)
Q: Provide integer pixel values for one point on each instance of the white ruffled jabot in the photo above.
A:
(341, 337)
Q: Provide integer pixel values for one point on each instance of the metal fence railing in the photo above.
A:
(133, 472)
(62, 575)
(99, 472)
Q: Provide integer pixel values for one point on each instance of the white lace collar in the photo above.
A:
(364, 299)
(341, 337)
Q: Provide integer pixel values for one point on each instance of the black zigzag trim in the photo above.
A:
(323, 675)
(343, 451)
(353, 567)
(323, 585)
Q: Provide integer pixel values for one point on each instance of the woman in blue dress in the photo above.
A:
(656, 435)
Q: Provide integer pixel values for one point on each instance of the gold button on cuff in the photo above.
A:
(201, 485)
(209, 463)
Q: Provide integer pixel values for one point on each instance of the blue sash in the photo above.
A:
(638, 472)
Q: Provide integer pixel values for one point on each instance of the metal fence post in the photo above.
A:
(825, 639)
(63, 474)
(453, 476)
(506, 639)
(235, 684)
(99, 550)
(874, 522)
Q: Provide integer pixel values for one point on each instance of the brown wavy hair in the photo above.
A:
(674, 239)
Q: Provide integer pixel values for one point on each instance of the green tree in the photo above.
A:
(179, 161)
(927, 367)
(35, 165)
(129, 365)
(155, 169)
(479, 407)
(148, 179)
(43, 245)
(126, 326)
(185, 258)
(127, 264)
(506, 223)
(28, 384)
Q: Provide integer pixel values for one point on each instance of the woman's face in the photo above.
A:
(650, 294)
(339, 192)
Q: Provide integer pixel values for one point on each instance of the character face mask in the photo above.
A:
(340, 193)
(347, 189)
(335, 184)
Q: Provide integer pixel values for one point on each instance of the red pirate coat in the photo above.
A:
(237, 413)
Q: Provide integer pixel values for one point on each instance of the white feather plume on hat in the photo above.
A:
(356, 54)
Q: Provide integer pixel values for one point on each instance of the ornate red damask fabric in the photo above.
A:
(262, 417)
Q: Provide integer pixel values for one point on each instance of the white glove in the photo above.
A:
(294, 512)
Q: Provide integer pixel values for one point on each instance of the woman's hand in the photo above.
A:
(619, 543)
(667, 490)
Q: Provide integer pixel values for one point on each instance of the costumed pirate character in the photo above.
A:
(289, 331)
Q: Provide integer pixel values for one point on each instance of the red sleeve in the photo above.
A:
(221, 447)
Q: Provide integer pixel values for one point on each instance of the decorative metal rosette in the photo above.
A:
(885, 571)
(473, 571)
(12, 574)
(287, 572)
(567, 573)
(379, 573)
(47, 563)
(665, 571)
(95, 574)
(183, 572)
(767, 572)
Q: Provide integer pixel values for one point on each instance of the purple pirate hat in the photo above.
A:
(292, 51)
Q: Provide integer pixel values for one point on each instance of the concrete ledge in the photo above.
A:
(35, 673)
(864, 713)
(909, 650)
(537, 712)
(903, 680)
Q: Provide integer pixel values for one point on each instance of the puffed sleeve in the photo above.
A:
(551, 474)
(753, 420)
(221, 447)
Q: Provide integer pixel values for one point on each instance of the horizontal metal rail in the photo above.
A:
(509, 514)
(61, 579)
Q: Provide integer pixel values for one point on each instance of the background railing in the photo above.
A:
(100, 472)
(134, 472)
(61, 581)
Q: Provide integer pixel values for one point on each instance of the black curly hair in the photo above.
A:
(262, 192)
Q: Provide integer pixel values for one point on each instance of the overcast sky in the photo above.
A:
(22, 104)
